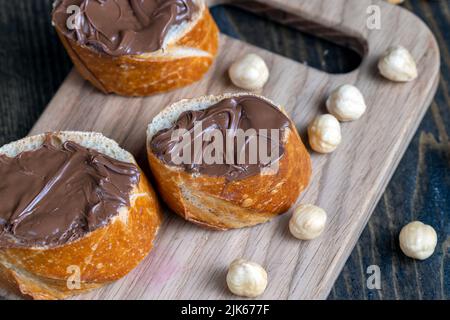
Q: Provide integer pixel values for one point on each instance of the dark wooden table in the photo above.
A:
(33, 64)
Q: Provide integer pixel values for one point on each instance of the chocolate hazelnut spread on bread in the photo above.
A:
(228, 117)
(59, 192)
(121, 27)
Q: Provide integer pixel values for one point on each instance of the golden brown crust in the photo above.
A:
(215, 203)
(148, 74)
(102, 256)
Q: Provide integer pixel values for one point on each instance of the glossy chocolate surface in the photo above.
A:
(121, 27)
(57, 193)
(229, 117)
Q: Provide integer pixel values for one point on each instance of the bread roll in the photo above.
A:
(216, 201)
(170, 43)
(92, 247)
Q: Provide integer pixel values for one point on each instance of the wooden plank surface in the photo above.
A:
(364, 163)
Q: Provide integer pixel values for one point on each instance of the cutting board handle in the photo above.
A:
(322, 18)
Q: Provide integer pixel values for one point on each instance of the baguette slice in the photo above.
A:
(102, 256)
(215, 203)
(188, 52)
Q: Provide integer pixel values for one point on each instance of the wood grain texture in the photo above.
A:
(268, 245)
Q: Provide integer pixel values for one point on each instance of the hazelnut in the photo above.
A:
(324, 133)
(398, 65)
(346, 103)
(307, 222)
(418, 240)
(249, 73)
(246, 278)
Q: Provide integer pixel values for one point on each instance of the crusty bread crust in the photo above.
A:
(102, 256)
(180, 63)
(215, 203)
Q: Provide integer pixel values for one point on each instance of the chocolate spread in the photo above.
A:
(121, 27)
(59, 192)
(227, 117)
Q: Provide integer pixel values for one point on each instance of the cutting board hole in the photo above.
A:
(290, 42)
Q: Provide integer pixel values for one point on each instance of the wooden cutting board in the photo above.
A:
(189, 262)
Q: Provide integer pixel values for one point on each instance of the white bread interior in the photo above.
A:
(176, 32)
(169, 48)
